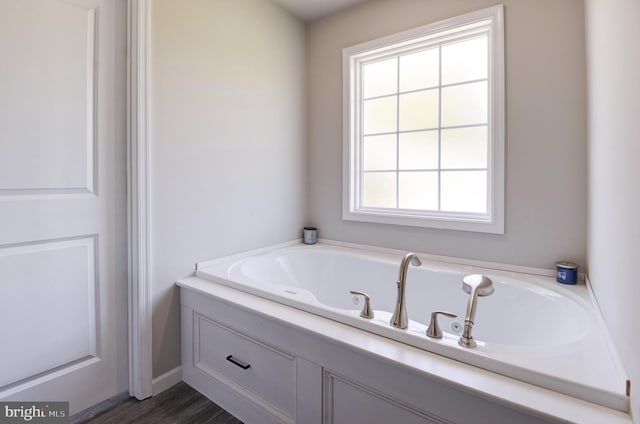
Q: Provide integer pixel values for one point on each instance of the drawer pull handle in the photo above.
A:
(238, 363)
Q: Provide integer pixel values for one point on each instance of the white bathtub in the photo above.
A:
(531, 328)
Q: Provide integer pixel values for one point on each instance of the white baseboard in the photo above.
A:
(166, 380)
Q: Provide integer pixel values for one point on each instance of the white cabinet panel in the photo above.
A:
(346, 401)
(279, 388)
(265, 372)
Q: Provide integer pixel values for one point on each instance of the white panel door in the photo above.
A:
(63, 287)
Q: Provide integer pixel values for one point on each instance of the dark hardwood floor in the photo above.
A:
(178, 405)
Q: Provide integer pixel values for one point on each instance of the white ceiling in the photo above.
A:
(308, 10)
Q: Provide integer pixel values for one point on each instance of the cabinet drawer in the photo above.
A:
(245, 364)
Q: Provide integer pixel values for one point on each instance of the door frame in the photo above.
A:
(138, 202)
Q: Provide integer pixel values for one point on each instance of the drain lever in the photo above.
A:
(367, 312)
(434, 329)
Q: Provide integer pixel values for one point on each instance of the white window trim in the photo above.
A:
(493, 221)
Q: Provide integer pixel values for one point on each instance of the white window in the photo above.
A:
(424, 126)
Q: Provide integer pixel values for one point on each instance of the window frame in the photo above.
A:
(489, 21)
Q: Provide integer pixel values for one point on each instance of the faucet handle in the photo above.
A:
(434, 330)
(367, 312)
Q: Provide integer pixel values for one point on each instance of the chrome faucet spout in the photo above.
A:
(400, 319)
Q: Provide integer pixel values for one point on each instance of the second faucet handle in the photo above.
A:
(434, 329)
(367, 312)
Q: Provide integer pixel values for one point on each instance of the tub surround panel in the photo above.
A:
(414, 378)
(545, 130)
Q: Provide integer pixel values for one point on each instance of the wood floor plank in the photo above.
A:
(178, 405)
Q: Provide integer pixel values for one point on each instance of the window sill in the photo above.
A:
(464, 222)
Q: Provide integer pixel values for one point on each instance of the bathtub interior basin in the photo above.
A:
(530, 328)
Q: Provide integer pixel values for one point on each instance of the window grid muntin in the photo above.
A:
(397, 134)
(440, 127)
(445, 127)
(434, 87)
(396, 54)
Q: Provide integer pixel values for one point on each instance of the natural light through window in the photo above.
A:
(424, 125)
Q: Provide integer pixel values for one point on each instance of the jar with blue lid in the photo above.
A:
(566, 272)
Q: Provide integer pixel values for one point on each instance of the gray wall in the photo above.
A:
(545, 130)
(613, 31)
(227, 141)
